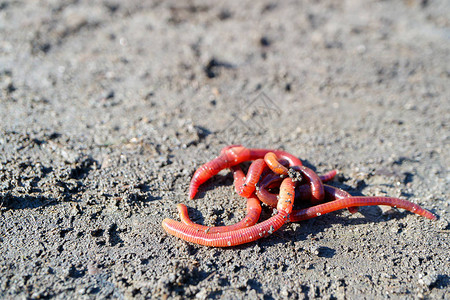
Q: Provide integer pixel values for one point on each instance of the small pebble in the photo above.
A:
(428, 280)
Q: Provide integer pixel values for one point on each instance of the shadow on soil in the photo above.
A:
(9, 201)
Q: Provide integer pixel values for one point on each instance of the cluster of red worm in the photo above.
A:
(270, 170)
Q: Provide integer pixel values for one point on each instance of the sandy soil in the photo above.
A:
(108, 107)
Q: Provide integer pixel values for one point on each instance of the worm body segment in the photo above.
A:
(253, 213)
(231, 156)
(240, 236)
(321, 209)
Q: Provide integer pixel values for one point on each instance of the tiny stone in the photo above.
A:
(395, 229)
(252, 294)
(203, 294)
(428, 280)
(313, 249)
(92, 269)
(443, 224)
(284, 292)
(172, 277)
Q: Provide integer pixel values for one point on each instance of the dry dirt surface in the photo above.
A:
(108, 107)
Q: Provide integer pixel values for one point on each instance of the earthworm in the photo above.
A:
(240, 236)
(231, 156)
(242, 184)
(253, 213)
(331, 193)
(316, 184)
(263, 194)
(245, 186)
(291, 159)
(253, 209)
(317, 193)
(303, 192)
(328, 176)
(272, 162)
(321, 209)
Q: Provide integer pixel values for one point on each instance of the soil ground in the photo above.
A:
(108, 107)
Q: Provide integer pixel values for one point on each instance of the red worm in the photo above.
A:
(316, 183)
(317, 193)
(238, 178)
(253, 209)
(328, 176)
(303, 192)
(245, 186)
(260, 153)
(231, 156)
(240, 236)
(272, 161)
(253, 213)
(331, 193)
(321, 209)
(263, 194)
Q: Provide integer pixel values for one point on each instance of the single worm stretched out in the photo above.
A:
(321, 209)
(340, 199)
(331, 193)
(240, 236)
